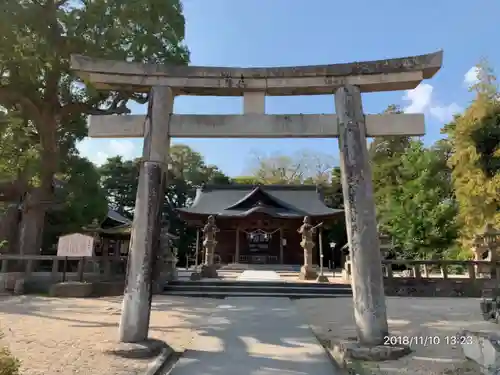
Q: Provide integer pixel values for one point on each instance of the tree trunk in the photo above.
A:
(9, 227)
(31, 229)
(37, 203)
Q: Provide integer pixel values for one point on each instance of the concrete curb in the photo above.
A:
(164, 363)
(339, 367)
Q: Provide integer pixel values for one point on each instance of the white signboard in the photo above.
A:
(75, 245)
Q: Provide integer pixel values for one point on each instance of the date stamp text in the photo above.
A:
(423, 340)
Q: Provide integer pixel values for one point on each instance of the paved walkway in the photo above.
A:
(254, 275)
(255, 336)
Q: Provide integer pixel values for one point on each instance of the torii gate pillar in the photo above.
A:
(145, 237)
(361, 224)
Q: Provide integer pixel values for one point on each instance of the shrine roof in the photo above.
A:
(279, 201)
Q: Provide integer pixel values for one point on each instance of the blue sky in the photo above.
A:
(295, 32)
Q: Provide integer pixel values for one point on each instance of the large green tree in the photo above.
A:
(188, 171)
(420, 213)
(475, 160)
(80, 197)
(37, 39)
(119, 180)
(385, 156)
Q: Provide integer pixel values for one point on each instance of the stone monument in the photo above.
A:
(345, 82)
(209, 270)
(307, 272)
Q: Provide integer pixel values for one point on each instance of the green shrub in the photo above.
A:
(9, 365)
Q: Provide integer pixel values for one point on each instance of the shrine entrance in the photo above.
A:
(344, 82)
(258, 224)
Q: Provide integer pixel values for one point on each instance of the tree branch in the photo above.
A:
(10, 97)
(89, 109)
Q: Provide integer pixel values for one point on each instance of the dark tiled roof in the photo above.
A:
(113, 215)
(285, 201)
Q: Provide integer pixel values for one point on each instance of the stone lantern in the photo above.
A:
(486, 248)
(385, 246)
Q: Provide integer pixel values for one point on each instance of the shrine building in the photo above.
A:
(258, 224)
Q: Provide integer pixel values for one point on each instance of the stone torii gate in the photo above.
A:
(345, 81)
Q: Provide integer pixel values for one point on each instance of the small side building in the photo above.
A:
(114, 234)
(258, 224)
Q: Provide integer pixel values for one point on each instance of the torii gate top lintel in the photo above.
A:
(370, 76)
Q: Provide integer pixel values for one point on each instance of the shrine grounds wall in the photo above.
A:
(421, 279)
(410, 287)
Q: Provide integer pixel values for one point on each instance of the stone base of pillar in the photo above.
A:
(307, 273)
(345, 351)
(142, 350)
(209, 271)
(195, 276)
(322, 279)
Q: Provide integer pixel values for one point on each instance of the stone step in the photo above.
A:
(222, 294)
(245, 288)
(258, 289)
(287, 284)
(262, 267)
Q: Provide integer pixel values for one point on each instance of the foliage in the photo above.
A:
(119, 180)
(475, 140)
(82, 196)
(420, 214)
(385, 155)
(9, 365)
(304, 167)
(245, 180)
(38, 38)
(187, 172)
(18, 151)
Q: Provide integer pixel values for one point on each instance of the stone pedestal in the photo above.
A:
(71, 289)
(345, 351)
(209, 271)
(195, 276)
(19, 287)
(307, 272)
(481, 348)
(361, 224)
(322, 279)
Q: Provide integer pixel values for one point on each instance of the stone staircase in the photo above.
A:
(260, 267)
(242, 288)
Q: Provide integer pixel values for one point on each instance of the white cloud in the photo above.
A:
(98, 151)
(472, 76)
(419, 98)
(123, 148)
(445, 113)
(421, 101)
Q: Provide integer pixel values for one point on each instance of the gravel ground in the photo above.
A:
(414, 317)
(71, 336)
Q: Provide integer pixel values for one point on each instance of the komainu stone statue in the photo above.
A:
(210, 230)
(165, 267)
(307, 272)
